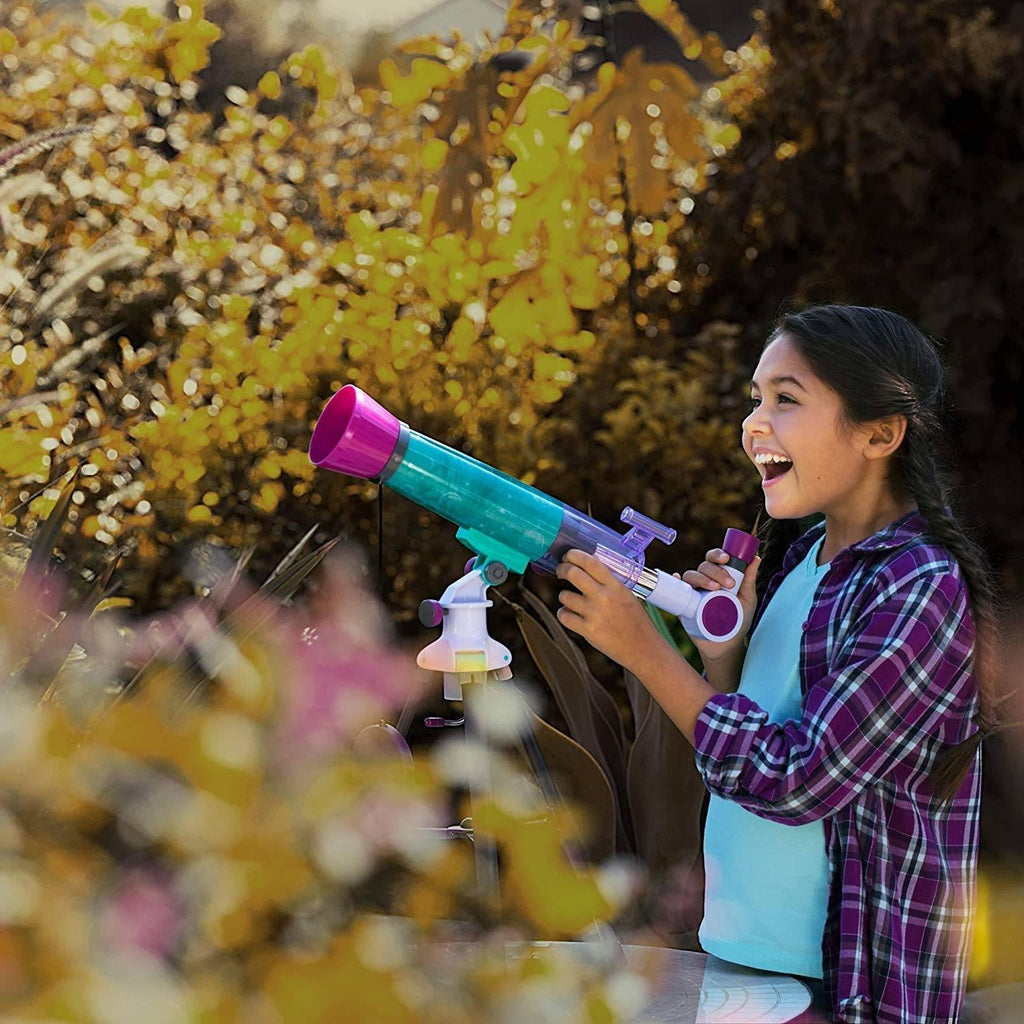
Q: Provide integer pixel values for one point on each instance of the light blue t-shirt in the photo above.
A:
(766, 887)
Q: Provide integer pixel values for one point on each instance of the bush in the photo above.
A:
(454, 244)
(880, 151)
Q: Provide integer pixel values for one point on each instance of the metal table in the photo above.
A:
(697, 988)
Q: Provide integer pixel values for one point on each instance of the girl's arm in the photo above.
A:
(609, 616)
(900, 684)
(724, 673)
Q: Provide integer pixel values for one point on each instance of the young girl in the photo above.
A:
(841, 745)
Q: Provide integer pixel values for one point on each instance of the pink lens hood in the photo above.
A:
(354, 435)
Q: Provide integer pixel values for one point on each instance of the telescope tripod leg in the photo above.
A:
(485, 851)
(462, 613)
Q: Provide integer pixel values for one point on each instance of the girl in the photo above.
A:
(841, 745)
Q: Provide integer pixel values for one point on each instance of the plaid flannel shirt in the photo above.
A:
(886, 674)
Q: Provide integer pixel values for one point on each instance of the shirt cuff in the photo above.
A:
(722, 733)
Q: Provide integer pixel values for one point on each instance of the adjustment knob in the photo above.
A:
(741, 546)
(495, 573)
(431, 613)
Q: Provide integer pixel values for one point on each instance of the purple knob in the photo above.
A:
(719, 616)
(431, 613)
(741, 546)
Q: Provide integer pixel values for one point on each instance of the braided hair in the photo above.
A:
(880, 364)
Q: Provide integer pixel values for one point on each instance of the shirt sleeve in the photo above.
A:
(889, 691)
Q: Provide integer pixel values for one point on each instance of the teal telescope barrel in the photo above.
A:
(498, 516)
(504, 520)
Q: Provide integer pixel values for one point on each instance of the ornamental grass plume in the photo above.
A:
(13, 156)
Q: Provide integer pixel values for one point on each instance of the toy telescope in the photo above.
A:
(509, 524)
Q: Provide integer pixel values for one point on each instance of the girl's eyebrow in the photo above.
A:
(780, 380)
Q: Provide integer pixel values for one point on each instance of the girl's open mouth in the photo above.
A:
(774, 471)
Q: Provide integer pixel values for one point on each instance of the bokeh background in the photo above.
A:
(551, 233)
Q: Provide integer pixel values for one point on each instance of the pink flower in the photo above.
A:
(143, 915)
(346, 672)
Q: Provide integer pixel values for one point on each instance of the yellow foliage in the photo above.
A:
(270, 85)
(538, 877)
(462, 267)
(540, 140)
(643, 115)
(409, 90)
(338, 985)
(204, 854)
(655, 8)
(22, 457)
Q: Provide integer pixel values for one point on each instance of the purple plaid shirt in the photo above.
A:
(885, 671)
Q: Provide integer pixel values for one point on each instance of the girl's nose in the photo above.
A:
(753, 424)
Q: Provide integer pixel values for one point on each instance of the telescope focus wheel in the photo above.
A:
(495, 572)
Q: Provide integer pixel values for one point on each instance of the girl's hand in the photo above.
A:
(602, 609)
(712, 575)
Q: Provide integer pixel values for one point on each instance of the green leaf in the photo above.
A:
(588, 709)
(289, 559)
(45, 541)
(583, 784)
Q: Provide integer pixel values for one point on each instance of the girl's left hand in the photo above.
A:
(602, 609)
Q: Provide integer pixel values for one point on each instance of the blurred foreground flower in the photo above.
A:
(345, 674)
(188, 832)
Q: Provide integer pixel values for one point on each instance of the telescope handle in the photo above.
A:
(714, 615)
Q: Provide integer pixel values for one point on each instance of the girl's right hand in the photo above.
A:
(712, 575)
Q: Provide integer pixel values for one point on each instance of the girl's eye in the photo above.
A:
(782, 398)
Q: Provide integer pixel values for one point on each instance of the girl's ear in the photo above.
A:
(885, 436)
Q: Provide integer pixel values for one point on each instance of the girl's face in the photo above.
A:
(795, 415)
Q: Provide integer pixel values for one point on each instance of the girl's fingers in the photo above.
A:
(714, 568)
(573, 574)
(572, 600)
(711, 574)
(590, 564)
(699, 580)
(750, 576)
(569, 619)
(709, 577)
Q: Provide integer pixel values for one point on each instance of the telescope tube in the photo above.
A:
(504, 520)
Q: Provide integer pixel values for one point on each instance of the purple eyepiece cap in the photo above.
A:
(740, 545)
(354, 435)
(719, 616)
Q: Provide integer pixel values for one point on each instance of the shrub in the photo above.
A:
(464, 244)
(880, 151)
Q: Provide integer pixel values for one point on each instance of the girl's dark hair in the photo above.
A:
(880, 364)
